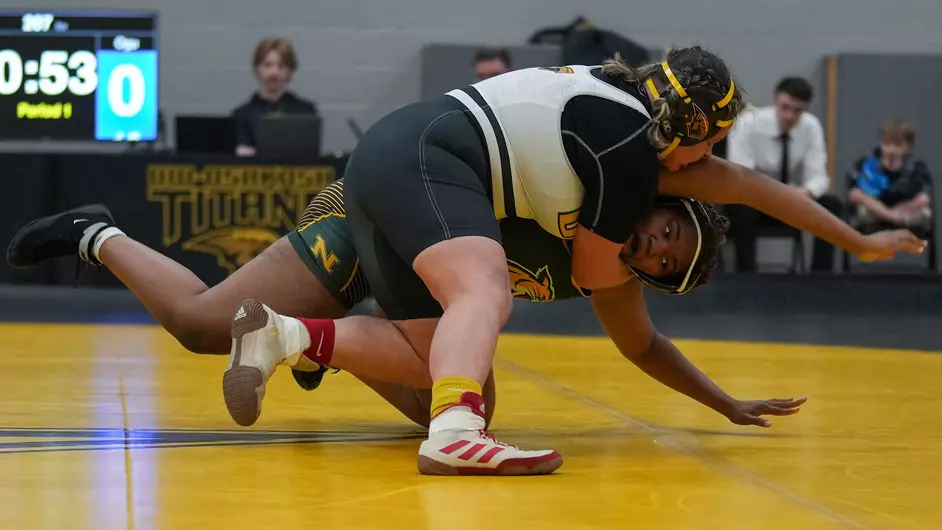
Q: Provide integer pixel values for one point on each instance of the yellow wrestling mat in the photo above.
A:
(117, 427)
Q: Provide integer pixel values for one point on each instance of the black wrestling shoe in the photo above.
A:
(66, 234)
(310, 380)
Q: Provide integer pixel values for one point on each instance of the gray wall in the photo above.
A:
(874, 88)
(445, 66)
(361, 58)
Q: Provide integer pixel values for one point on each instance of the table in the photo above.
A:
(211, 213)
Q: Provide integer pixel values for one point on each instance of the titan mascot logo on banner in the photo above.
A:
(231, 212)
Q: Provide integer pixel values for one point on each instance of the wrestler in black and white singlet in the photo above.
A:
(562, 146)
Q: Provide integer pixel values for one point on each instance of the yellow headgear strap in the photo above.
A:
(656, 94)
(673, 79)
(674, 143)
(725, 101)
(652, 89)
(683, 93)
(729, 95)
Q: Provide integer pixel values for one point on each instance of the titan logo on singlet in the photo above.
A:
(232, 212)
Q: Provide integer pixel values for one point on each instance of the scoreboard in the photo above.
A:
(78, 76)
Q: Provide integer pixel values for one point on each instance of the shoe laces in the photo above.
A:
(493, 439)
(79, 269)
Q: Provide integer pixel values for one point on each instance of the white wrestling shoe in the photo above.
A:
(458, 445)
(261, 340)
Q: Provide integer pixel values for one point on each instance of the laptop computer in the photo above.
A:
(206, 134)
(289, 136)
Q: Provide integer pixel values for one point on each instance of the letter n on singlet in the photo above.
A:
(328, 259)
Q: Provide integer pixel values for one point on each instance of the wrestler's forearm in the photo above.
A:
(665, 363)
(719, 181)
(622, 312)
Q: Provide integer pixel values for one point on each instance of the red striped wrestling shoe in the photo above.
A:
(458, 445)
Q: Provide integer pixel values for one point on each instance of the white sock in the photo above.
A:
(296, 339)
(103, 236)
(88, 247)
(456, 418)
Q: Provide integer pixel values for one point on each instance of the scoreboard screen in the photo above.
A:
(78, 76)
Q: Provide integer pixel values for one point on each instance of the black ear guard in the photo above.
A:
(699, 118)
(684, 282)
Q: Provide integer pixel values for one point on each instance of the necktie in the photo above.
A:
(783, 170)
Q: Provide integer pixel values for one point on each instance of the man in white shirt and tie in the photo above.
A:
(786, 143)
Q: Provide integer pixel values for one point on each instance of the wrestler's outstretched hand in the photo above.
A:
(751, 412)
(883, 245)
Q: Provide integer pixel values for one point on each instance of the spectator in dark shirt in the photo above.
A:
(275, 63)
(891, 189)
(491, 62)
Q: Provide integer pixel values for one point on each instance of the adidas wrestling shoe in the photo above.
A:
(66, 234)
(458, 445)
(261, 341)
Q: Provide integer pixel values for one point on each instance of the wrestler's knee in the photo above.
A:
(200, 333)
(468, 272)
(196, 342)
(499, 298)
(492, 299)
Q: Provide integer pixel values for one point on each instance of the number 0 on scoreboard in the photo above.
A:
(126, 100)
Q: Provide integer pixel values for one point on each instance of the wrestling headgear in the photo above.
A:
(707, 247)
(700, 116)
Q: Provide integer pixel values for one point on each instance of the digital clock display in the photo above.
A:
(78, 76)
